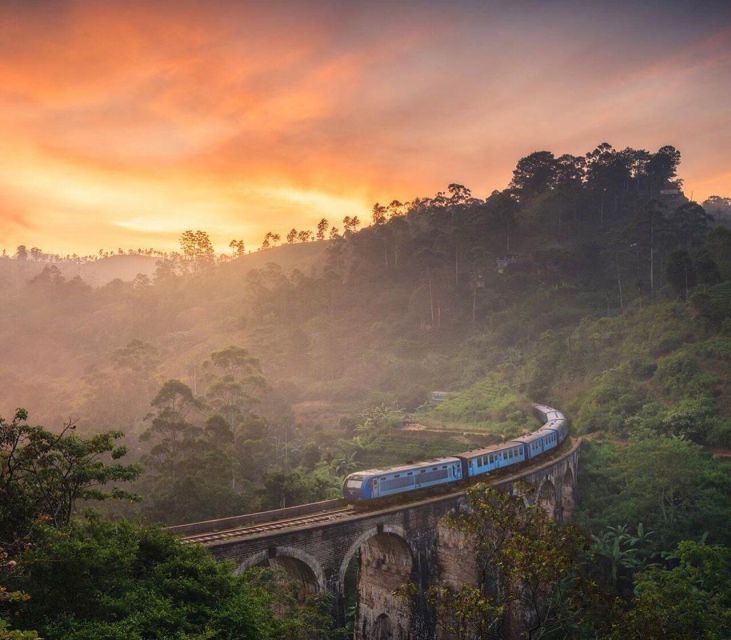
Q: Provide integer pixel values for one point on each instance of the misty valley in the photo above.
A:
(159, 388)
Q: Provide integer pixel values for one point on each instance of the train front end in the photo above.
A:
(355, 487)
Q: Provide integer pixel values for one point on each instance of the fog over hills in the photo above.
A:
(260, 380)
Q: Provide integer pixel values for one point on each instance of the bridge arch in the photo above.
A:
(383, 628)
(396, 535)
(546, 498)
(568, 499)
(300, 567)
(387, 562)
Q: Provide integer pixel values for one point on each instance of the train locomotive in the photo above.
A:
(363, 487)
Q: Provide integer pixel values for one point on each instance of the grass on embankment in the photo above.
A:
(489, 405)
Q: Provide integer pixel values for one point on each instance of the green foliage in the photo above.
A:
(100, 579)
(491, 404)
(44, 475)
(681, 374)
(13, 597)
(527, 562)
(212, 456)
(690, 600)
(465, 612)
(621, 551)
(614, 398)
(666, 483)
(568, 287)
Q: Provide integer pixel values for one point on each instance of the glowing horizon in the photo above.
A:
(123, 124)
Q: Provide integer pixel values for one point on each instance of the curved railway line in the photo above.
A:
(341, 511)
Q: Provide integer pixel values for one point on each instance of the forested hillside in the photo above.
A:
(590, 282)
(257, 381)
(425, 298)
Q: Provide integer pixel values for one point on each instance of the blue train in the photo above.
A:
(374, 484)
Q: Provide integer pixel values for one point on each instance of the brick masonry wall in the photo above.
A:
(323, 550)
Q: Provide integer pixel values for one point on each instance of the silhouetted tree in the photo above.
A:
(680, 273)
(238, 247)
(197, 247)
(534, 174)
(322, 229)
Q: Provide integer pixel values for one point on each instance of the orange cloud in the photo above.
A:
(125, 123)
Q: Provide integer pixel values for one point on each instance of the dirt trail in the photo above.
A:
(422, 428)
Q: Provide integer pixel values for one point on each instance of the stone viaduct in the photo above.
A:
(315, 545)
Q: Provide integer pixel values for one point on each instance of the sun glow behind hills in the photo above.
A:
(122, 124)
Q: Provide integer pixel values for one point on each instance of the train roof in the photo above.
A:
(551, 424)
(474, 453)
(405, 467)
(543, 408)
(549, 412)
(531, 437)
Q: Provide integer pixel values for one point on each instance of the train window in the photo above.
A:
(422, 471)
(354, 484)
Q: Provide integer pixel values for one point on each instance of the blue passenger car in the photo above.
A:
(480, 461)
(532, 445)
(382, 483)
(551, 436)
(562, 427)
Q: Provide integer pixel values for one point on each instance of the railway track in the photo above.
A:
(329, 515)
(266, 527)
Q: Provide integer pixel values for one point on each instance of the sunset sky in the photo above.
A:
(123, 124)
